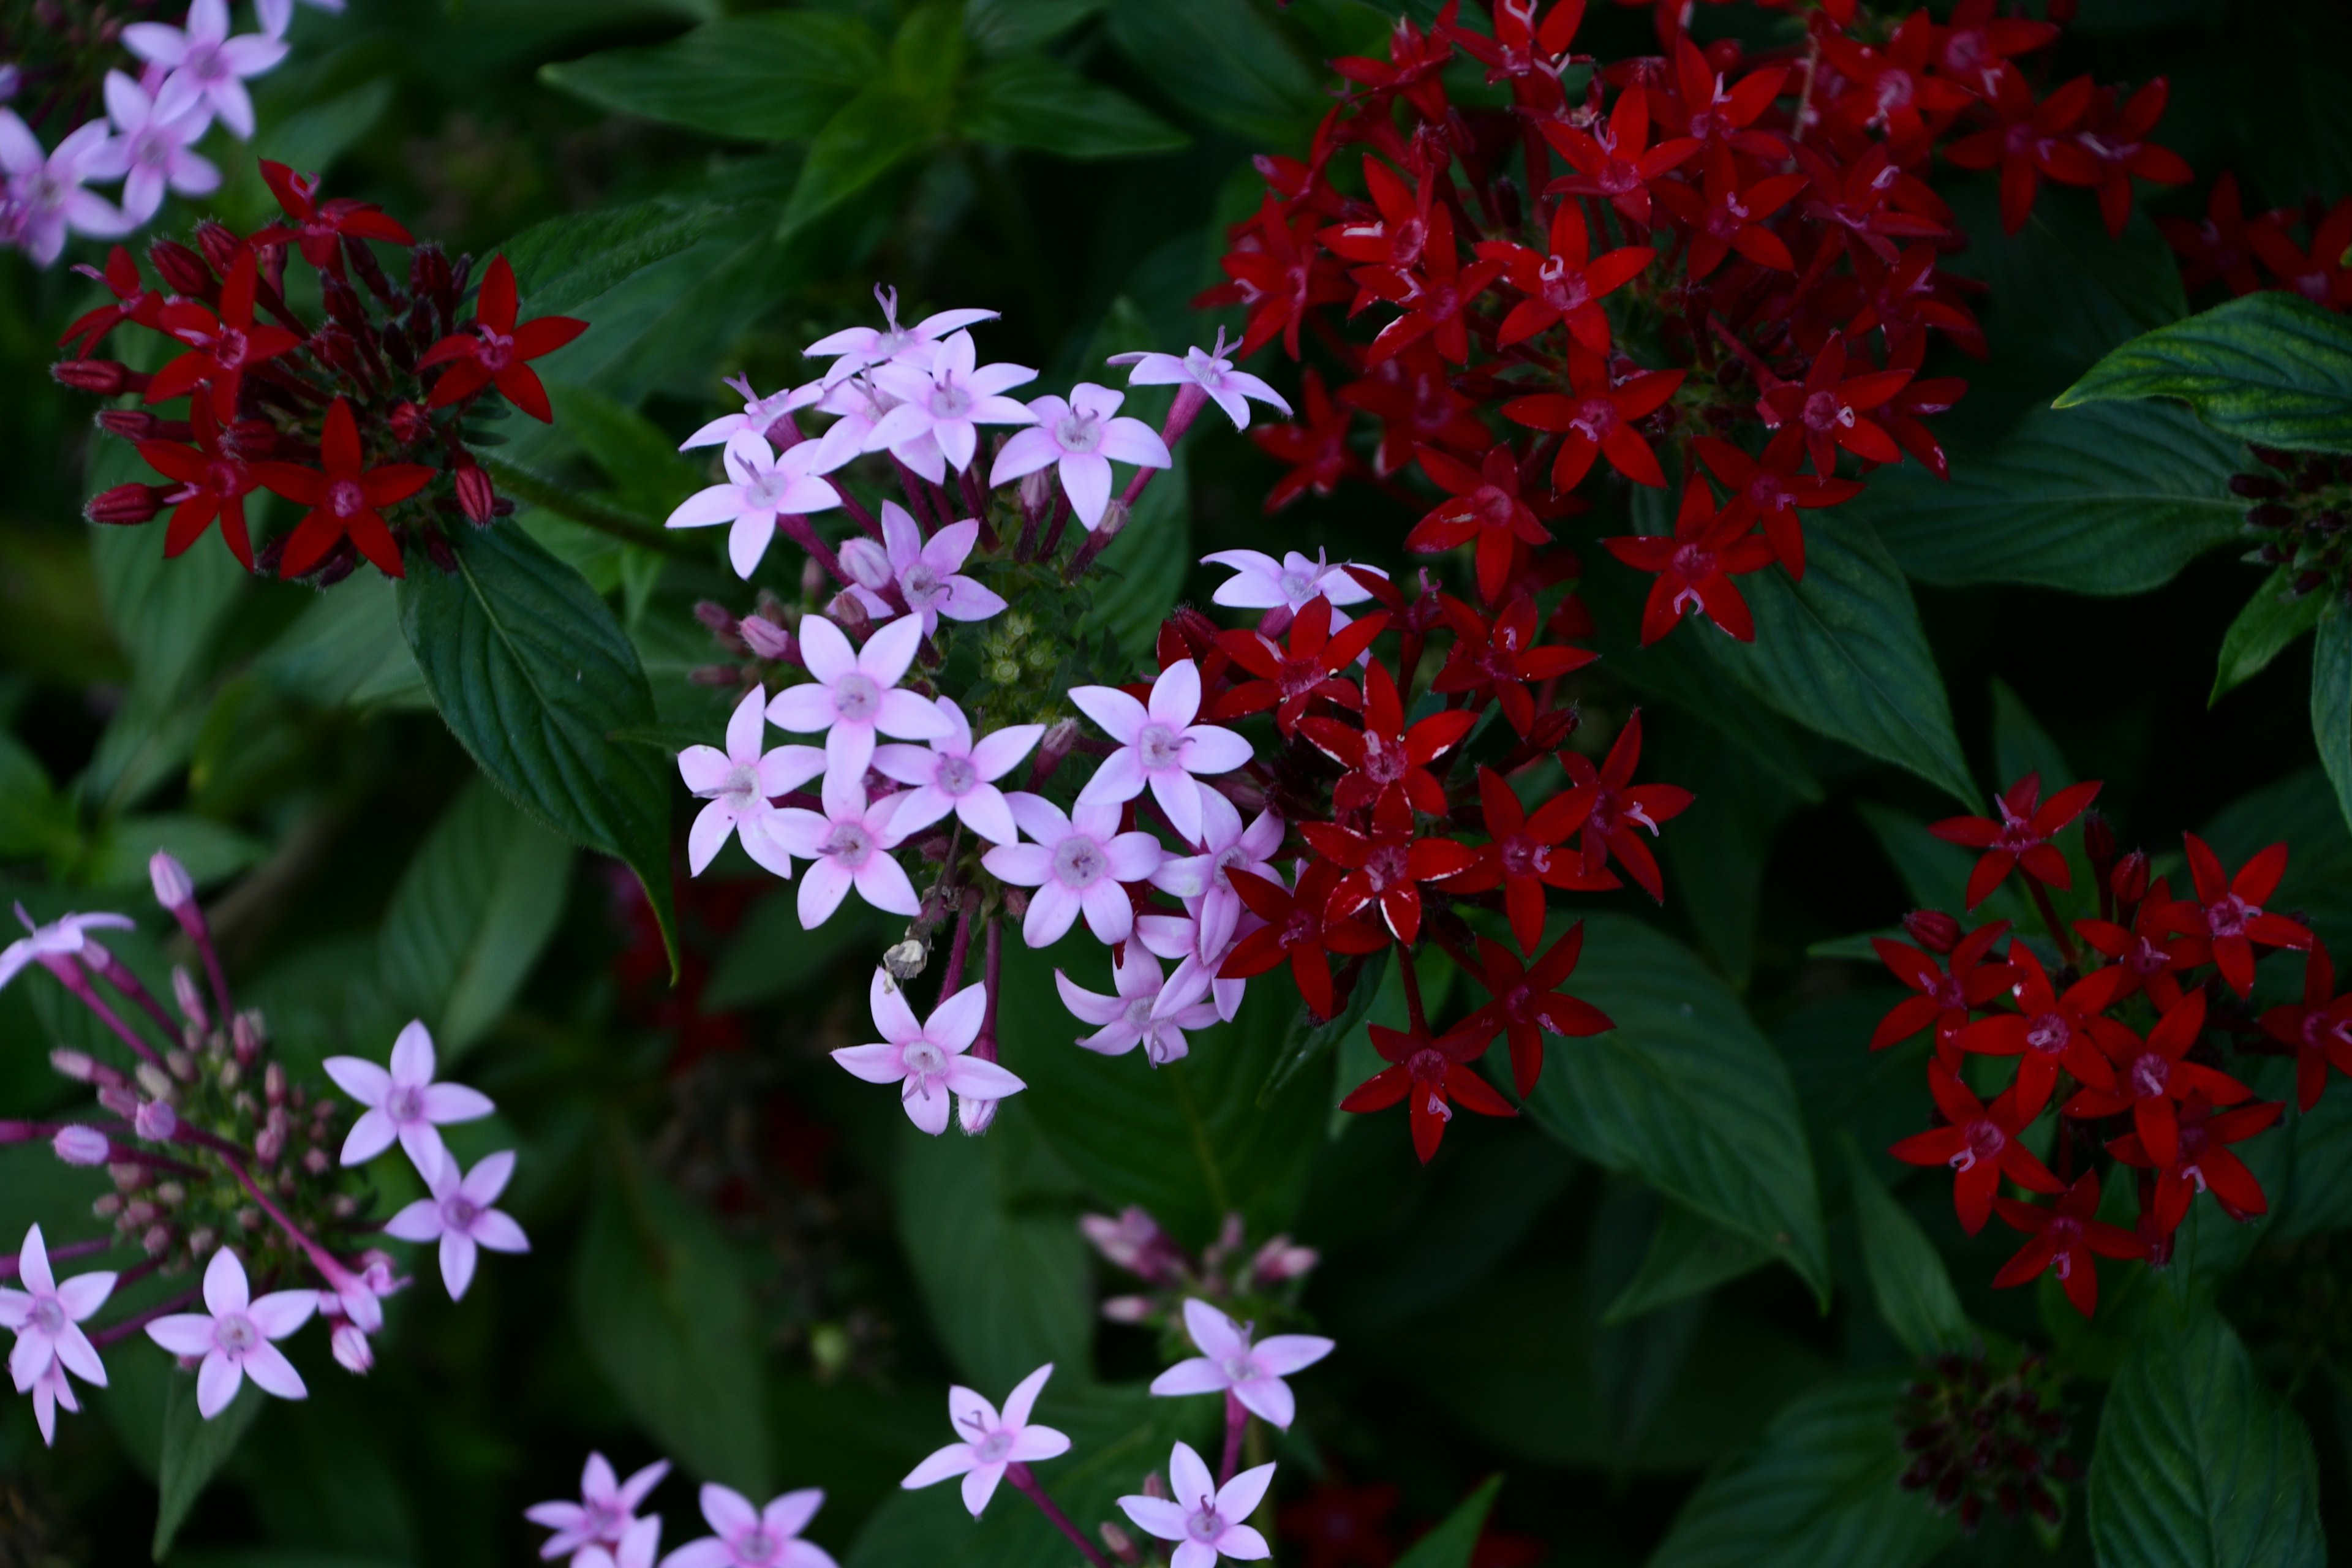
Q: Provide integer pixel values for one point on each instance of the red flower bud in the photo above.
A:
(1933, 929)
(251, 440)
(138, 424)
(429, 277)
(219, 243)
(410, 422)
(106, 378)
(183, 271)
(2129, 878)
(437, 551)
(2256, 487)
(125, 504)
(2098, 842)
(476, 496)
(716, 618)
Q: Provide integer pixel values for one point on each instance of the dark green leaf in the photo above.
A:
(2098, 500)
(1223, 61)
(1717, 853)
(771, 956)
(1687, 1257)
(872, 134)
(1684, 1093)
(193, 1451)
(472, 912)
(1454, 1538)
(1308, 1042)
(165, 614)
(2021, 746)
(212, 851)
(2273, 620)
(1819, 1489)
(2198, 1463)
(567, 261)
(313, 138)
(345, 647)
(2331, 703)
(663, 1309)
(1011, 27)
(1844, 653)
(2270, 368)
(771, 76)
(533, 675)
(1916, 1298)
(1035, 100)
(1143, 571)
(33, 818)
(1937, 873)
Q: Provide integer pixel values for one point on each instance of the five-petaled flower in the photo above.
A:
(2050, 1031)
(849, 844)
(2152, 1077)
(1297, 929)
(930, 1057)
(1231, 1363)
(213, 482)
(1432, 1076)
(761, 486)
(321, 230)
(744, 1536)
(221, 348)
(605, 1511)
(2226, 917)
(1694, 565)
(853, 694)
(954, 773)
(47, 1316)
(2021, 836)
(493, 350)
(1596, 418)
(1077, 864)
(1523, 856)
(1527, 1003)
(1609, 805)
(990, 1443)
(344, 495)
(1945, 998)
(2319, 1028)
(2202, 1164)
(459, 1216)
(1386, 759)
(1133, 1017)
(1297, 671)
(1206, 1520)
(1980, 1142)
(404, 1102)
(926, 573)
(1160, 746)
(231, 1338)
(2066, 1236)
(1081, 436)
(1486, 507)
(742, 783)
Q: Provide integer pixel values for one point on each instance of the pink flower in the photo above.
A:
(40, 193)
(853, 349)
(851, 694)
(928, 1056)
(459, 1215)
(1080, 434)
(404, 1103)
(740, 782)
(954, 774)
(47, 1317)
(1076, 863)
(1209, 370)
(1229, 1361)
(1160, 746)
(61, 938)
(234, 1334)
(637, 1547)
(759, 414)
(991, 1442)
(925, 572)
(1226, 844)
(604, 1515)
(941, 405)
(51, 1390)
(751, 1537)
(1205, 1520)
(857, 406)
(1127, 1020)
(154, 147)
(1261, 583)
(760, 488)
(207, 65)
(850, 843)
(1185, 939)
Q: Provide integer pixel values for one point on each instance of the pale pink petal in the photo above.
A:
(998, 751)
(1199, 1375)
(225, 1287)
(1039, 1443)
(447, 1102)
(1040, 818)
(955, 1459)
(1180, 798)
(1176, 694)
(1268, 1399)
(184, 1333)
(1210, 749)
(955, 1023)
(928, 1105)
(1110, 914)
(979, 1485)
(788, 1515)
(747, 727)
(1285, 1354)
(639, 1483)
(1156, 1516)
(906, 765)
(1134, 856)
(1088, 1006)
(918, 808)
(878, 1063)
(827, 652)
(888, 652)
(709, 835)
(268, 1365)
(785, 768)
(1115, 713)
(33, 1264)
(1188, 1478)
(1133, 441)
(976, 1079)
(281, 1313)
(705, 768)
(909, 715)
(882, 882)
(729, 1510)
(1025, 452)
(1121, 778)
(805, 709)
(420, 1221)
(1023, 865)
(748, 540)
(1051, 910)
(821, 890)
(498, 1231)
(412, 1056)
(216, 1384)
(1242, 1542)
(362, 1081)
(704, 508)
(1086, 476)
(1218, 1336)
(458, 1257)
(892, 1016)
(984, 812)
(84, 1294)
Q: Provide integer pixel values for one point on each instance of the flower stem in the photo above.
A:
(9, 1267)
(1411, 991)
(1237, 1424)
(963, 945)
(2066, 948)
(70, 975)
(1026, 1484)
(114, 1334)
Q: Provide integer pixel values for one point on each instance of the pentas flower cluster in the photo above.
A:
(1988, 1437)
(604, 1529)
(2301, 249)
(2119, 1023)
(363, 414)
(2301, 507)
(139, 93)
(1263, 1281)
(1710, 271)
(220, 1162)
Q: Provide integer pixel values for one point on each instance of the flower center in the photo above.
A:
(459, 1213)
(1595, 418)
(857, 697)
(236, 1334)
(1617, 176)
(2149, 1074)
(765, 490)
(345, 499)
(955, 776)
(1078, 431)
(850, 844)
(921, 586)
(950, 401)
(1985, 1141)
(1825, 411)
(993, 1448)
(1383, 764)
(205, 63)
(1693, 562)
(742, 784)
(152, 149)
(404, 1105)
(1387, 866)
(2229, 915)
(228, 348)
(49, 1316)
(495, 352)
(1206, 1523)
(1564, 287)
(1080, 862)
(1523, 856)
(1493, 506)
(2049, 1034)
(757, 1547)
(1949, 992)
(1427, 1066)
(923, 1060)
(2066, 1234)
(1298, 587)
(1158, 747)
(224, 478)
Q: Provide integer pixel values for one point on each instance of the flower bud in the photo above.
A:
(80, 1145)
(811, 578)
(202, 1240)
(851, 617)
(1056, 744)
(2098, 842)
(220, 245)
(127, 1176)
(410, 422)
(153, 1080)
(765, 637)
(138, 424)
(1127, 1309)
(1121, 1544)
(1933, 929)
(106, 1205)
(269, 1145)
(180, 1065)
(430, 278)
(75, 1065)
(157, 1240)
(715, 617)
(2256, 487)
(246, 1037)
(352, 1352)
(1154, 1487)
(156, 1122)
(183, 271)
(1036, 493)
(188, 998)
(314, 1161)
(103, 377)
(1114, 518)
(866, 563)
(975, 1116)
(173, 886)
(1281, 1259)
(273, 1084)
(476, 497)
(139, 1212)
(2270, 514)
(1016, 903)
(171, 1195)
(118, 1099)
(2129, 880)
(125, 505)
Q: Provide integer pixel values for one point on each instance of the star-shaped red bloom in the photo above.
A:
(2021, 836)
(1615, 159)
(1703, 106)
(1724, 215)
(2152, 1077)
(2143, 952)
(133, 302)
(1290, 677)
(1944, 996)
(2218, 246)
(2226, 917)
(1275, 273)
(1976, 40)
(2050, 1031)
(1527, 1003)
(1608, 805)
(1891, 87)
(1433, 298)
(1485, 506)
(1297, 930)
(1833, 409)
(213, 483)
(1693, 565)
(2314, 271)
(2027, 141)
(1523, 857)
(1394, 238)
(221, 348)
(1871, 203)
(2202, 1164)
(1768, 487)
(2319, 1028)
(2066, 1236)
(1595, 418)
(2119, 142)
(493, 349)
(1415, 58)
(343, 495)
(1413, 398)
(1386, 866)
(1500, 658)
(1316, 448)
(1386, 761)
(318, 226)
(1432, 1077)
(1567, 285)
(1980, 1142)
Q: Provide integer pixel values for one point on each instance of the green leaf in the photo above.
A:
(2273, 620)
(313, 137)
(1223, 61)
(533, 676)
(1035, 100)
(663, 1309)
(1454, 1540)
(2331, 703)
(1717, 855)
(1844, 653)
(212, 851)
(872, 134)
(1936, 873)
(1914, 1294)
(2098, 500)
(165, 614)
(1686, 1094)
(771, 956)
(2198, 1463)
(1011, 27)
(1308, 1042)
(470, 916)
(34, 819)
(1687, 1257)
(1143, 571)
(769, 77)
(567, 261)
(2021, 746)
(345, 647)
(193, 1451)
(1819, 1489)
(2270, 368)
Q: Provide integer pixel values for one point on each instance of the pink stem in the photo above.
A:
(1190, 400)
(115, 973)
(9, 1267)
(192, 921)
(956, 954)
(918, 502)
(114, 1334)
(796, 529)
(992, 975)
(1237, 1424)
(857, 512)
(69, 974)
(1026, 1484)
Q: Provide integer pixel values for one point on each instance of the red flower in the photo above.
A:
(1718, 115)
(1521, 46)
(2152, 1077)
(2147, 960)
(1975, 41)
(1274, 273)
(1610, 161)
(133, 302)
(1385, 866)
(2029, 141)
(1871, 203)
(1892, 88)
(1723, 215)
(1608, 805)
(2320, 1029)
(1980, 1144)
(1413, 398)
(1486, 507)
(343, 495)
(2318, 273)
(2218, 246)
(1596, 419)
(1769, 487)
(1433, 299)
(1411, 69)
(213, 482)
(1831, 409)
(1385, 761)
(2049, 1031)
(1501, 659)
(1693, 565)
(1528, 1004)
(2021, 836)
(2226, 917)
(1296, 928)
(318, 225)
(494, 349)
(1944, 999)
(2201, 1163)
(221, 348)
(1290, 677)
(2119, 143)
(1432, 1076)
(2066, 1236)
(1317, 450)
(1567, 286)
(1396, 237)
(1523, 857)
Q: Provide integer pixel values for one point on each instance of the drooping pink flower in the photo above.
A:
(41, 193)
(926, 573)
(1260, 583)
(990, 1442)
(233, 1336)
(749, 1537)
(1160, 746)
(1228, 1361)
(459, 1216)
(47, 1316)
(941, 405)
(955, 772)
(850, 843)
(404, 1102)
(208, 67)
(853, 349)
(1130, 1019)
(852, 694)
(740, 784)
(1209, 370)
(61, 938)
(927, 1056)
(605, 1511)
(1206, 1520)
(1083, 434)
(1076, 863)
(759, 414)
(760, 488)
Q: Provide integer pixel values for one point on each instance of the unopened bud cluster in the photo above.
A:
(2300, 512)
(1985, 1438)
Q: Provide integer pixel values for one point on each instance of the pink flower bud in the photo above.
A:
(1280, 1260)
(80, 1145)
(189, 999)
(118, 1099)
(764, 637)
(1933, 929)
(156, 1122)
(1127, 1309)
(976, 1116)
(273, 1084)
(811, 578)
(851, 617)
(138, 424)
(157, 1240)
(716, 618)
(75, 1065)
(1036, 493)
(1059, 739)
(351, 1350)
(246, 1037)
(866, 565)
(173, 886)
(125, 505)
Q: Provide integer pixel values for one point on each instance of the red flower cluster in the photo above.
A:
(2302, 248)
(333, 415)
(2119, 1023)
(1707, 260)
